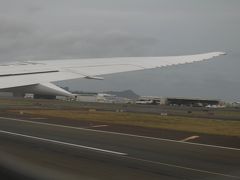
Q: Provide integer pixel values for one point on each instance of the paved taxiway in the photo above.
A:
(52, 151)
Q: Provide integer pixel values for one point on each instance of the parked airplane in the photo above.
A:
(37, 76)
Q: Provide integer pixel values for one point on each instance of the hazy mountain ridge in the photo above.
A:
(125, 94)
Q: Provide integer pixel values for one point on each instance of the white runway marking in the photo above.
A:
(118, 153)
(97, 126)
(63, 143)
(185, 168)
(122, 134)
(189, 138)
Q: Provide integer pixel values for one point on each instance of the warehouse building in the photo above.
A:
(192, 102)
(96, 97)
(175, 101)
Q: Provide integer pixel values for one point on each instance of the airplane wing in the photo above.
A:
(35, 75)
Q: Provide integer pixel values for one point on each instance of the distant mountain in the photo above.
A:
(125, 94)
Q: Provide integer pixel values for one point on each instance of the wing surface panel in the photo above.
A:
(37, 72)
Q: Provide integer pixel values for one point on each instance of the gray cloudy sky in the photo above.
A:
(52, 29)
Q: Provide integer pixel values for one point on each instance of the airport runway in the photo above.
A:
(48, 151)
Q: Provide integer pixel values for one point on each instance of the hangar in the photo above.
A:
(192, 102)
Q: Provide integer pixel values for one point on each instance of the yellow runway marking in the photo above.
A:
(189, 138)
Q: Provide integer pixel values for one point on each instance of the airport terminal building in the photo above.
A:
(179, 101)
(192, 102)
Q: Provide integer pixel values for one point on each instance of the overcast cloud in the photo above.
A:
(58, 29)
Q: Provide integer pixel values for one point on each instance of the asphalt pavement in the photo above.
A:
(36, 150)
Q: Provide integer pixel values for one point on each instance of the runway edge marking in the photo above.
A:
(116, 153)
(185, 168)
(63, 143)
(123, 134)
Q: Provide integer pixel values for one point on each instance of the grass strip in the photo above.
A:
(189, 124)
